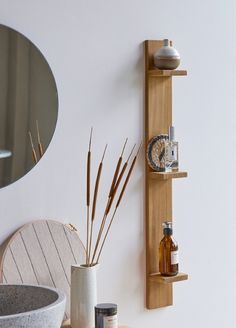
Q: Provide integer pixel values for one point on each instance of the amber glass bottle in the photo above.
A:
(168, 252)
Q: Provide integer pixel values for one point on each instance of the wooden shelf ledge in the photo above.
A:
(161, 73)
(167, 280)
(66, 324)
(168, 175)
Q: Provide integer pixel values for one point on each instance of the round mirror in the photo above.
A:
(28, 105)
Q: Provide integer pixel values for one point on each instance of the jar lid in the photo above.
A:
(106, 308)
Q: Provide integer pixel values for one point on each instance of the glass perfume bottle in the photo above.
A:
(168, 252)
(171, 152)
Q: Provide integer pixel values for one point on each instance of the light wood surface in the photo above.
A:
(41, 253)
(158, 118)
(167, 175)
(158, 73)
(67, 325)
(167, 280)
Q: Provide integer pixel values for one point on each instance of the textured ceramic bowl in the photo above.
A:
(31, 306)
(167, 57)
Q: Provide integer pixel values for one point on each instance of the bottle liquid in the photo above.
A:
(168, 252)
(171, 152)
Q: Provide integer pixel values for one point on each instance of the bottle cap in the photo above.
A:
(166, 42)
(167, 228)
(171, 133)
(167, 224)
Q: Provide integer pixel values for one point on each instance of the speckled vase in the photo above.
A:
(167, 57)
(83, 295)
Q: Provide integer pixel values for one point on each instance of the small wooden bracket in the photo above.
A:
(167, 280)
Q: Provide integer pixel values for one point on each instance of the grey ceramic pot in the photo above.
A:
(167, 57)
(29, 306)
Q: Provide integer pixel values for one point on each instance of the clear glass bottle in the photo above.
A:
(168, 252)
(171, 152)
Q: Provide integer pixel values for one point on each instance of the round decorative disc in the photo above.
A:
(41, 253)
(156, 152)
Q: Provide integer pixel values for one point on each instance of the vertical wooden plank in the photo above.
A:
(76, 246)
(36, 256)
(54, 260)
(4, 280)
(158, 117)
(2, 250)
(61, 243)
(10, 272)
(23, 262)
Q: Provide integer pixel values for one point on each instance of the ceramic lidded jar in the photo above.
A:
(167, 57)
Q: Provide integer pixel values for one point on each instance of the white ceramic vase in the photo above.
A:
(167, 57)
(83, 295)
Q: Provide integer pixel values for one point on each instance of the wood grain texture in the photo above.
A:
(158, 196)
(167, 175)
(159, 73)
(41, 253)
(158, 118)
(67, 325)
(157, 277)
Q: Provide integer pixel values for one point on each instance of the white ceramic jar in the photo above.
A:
(83, 295)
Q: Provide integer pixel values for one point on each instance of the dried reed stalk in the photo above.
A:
(119, 180)
(95, 194)
(88, 193)
(110, 200)
(118, 202)
(117, 170)
(40, 147)
(35, 159)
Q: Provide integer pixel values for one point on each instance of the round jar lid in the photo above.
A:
(106, 308)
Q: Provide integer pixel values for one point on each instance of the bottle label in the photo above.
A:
(174, 257)
(171, 153)
(110, 322)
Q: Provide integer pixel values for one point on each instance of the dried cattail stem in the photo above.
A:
(117, 170)
(99, 172)
(118, 202)
(33, 149)
(105, 237)
(109, 203)
(97, 185)
(40, 147)
(88, 193)
(114, 180)
(98, 237)
(89, 170)
(88, 177)
(96, 190)
(119, 181)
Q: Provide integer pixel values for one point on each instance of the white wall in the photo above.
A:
(95, 51)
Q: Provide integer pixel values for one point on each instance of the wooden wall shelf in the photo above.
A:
(154, 72)
(67, 325)
(157, 277)
(167, 175)
(158, 118)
